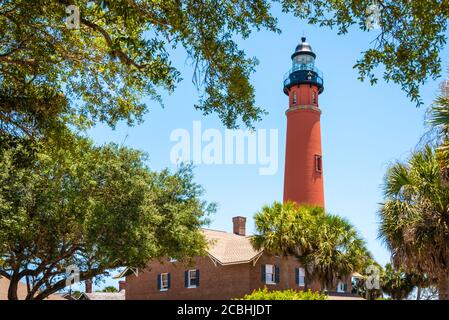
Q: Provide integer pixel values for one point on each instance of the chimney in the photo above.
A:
(239, 225)
(121, 285)
(88, 284)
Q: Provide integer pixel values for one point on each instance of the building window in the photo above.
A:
(294, 99)
(313, 97)
(192, 278)
(173, 260)
(342, 287)
(318, 163)
(270, 274)
(163, 281)
(300, 277)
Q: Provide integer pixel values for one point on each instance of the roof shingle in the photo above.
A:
(228, 248)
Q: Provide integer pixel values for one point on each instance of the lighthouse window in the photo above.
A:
(294, 98)
(314, 97)
(318, 163)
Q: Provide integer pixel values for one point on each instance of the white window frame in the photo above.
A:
(189, 278)
(164, 287)
(270, 277)
(301, 277)
(294, 98)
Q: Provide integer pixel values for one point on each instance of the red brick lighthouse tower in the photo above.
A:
(303, 177)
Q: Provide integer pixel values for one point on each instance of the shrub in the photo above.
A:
(264, 294)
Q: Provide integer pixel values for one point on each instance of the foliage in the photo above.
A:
(109, 289)
(326, 245)
(336, 251)
(414, 217)
(52, 74)
(264, 294)
(396, 283)
(98, 208)
(76, 294)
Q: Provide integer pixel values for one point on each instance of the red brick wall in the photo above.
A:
(216, 282)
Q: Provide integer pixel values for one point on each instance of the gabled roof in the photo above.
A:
(228, 248)
(223, 248)
(103, 296)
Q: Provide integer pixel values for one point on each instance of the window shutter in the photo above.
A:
(159, 281)
(168, 281)
(186, 279)
(297, 276)
(197, 278)
(263, 273)
(277, 274)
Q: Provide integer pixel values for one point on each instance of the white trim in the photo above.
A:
(189, 286)
(301, 276)
(304, 107)
(273, 274)
(163, 288)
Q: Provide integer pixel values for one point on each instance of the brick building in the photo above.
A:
(231, 269)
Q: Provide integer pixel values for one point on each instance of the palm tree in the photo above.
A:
(277, 229)
(414, 220)
(397, 283)
(327, 246)
(335, 250)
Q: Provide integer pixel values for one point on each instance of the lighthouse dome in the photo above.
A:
(303, 48)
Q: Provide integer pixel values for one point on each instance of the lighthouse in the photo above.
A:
(303, 176)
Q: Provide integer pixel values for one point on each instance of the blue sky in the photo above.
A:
(364, 128)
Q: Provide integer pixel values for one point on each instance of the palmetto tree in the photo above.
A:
(278, 227)
(415, 218)
(397, 283)
(327, 246)
(335, 250)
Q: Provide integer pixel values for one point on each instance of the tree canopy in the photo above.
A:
(396, 283)
(414, 217)
(122, 51)
(327, 246)
(50, 73)
(97, 208)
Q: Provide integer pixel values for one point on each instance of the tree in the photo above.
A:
(109, 289)
(326, 245)
(335, 250)
(52, 74)
(97, 208)
(410, 35)
(413, 218)
(54, 71)
(396, 283)
(277, 230)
